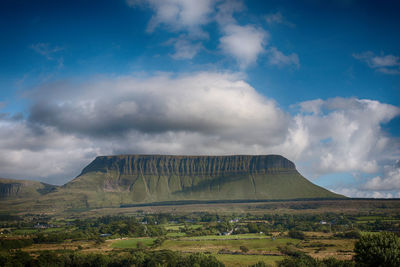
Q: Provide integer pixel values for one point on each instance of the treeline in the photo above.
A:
(89, 229)
(132, 258)
(120, 225)
(328, 222)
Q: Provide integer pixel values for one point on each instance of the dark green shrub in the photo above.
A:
(378, 250)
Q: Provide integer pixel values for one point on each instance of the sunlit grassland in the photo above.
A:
(227, 237)
(132, 242)
(34, 231)
(247, 260)
(254, 245)
(178, 227)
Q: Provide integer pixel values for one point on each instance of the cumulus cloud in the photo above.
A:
(178, 14)
(388, 64)
(343, 135)
(244, 43)
(113, 107)
(279, 59)
(68, 124)
(390, 180)
(31, 152)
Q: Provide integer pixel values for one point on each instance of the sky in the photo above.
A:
(317, 81)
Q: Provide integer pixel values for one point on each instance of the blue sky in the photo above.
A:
(315, 81)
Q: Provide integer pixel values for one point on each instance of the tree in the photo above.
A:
(378, 250)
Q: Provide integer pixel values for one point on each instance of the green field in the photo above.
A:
(178, 227)
(132, 242)
(254, 245)
(227, 237)
(175, 234)
(257, 245)
(246, 260)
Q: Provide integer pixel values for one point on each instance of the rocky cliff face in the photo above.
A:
(189, 165)
(9, 189)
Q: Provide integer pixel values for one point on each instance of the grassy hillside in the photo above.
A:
(20, 189)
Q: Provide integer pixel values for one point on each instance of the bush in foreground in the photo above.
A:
(307, 261)
(378, 250)
(134, 258)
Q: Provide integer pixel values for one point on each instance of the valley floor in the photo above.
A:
(236, 234)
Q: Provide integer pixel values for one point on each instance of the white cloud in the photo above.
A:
(355, 192)
(244, 43)
(178, 14)
(279, 59)
(162, 103)
(388, 64)
(390, 180)
(28, 152)
(342, 135)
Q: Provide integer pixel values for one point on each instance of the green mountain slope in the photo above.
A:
(129, 179)
(11, 189)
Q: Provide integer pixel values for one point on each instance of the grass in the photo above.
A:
(176, 234)
(24, 231)
(247, 260)
(132, 242)
(177, 227)
(173, 227)
(254, 245)
(34, 231)
(226, 237)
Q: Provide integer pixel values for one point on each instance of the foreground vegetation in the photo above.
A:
(144, 238)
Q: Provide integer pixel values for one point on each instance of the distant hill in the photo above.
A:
(112, 181)
(16, 189)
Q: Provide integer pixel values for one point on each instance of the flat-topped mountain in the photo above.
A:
(112, 181)
(130, 179)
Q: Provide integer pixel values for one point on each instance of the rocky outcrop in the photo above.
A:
(9, 189)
